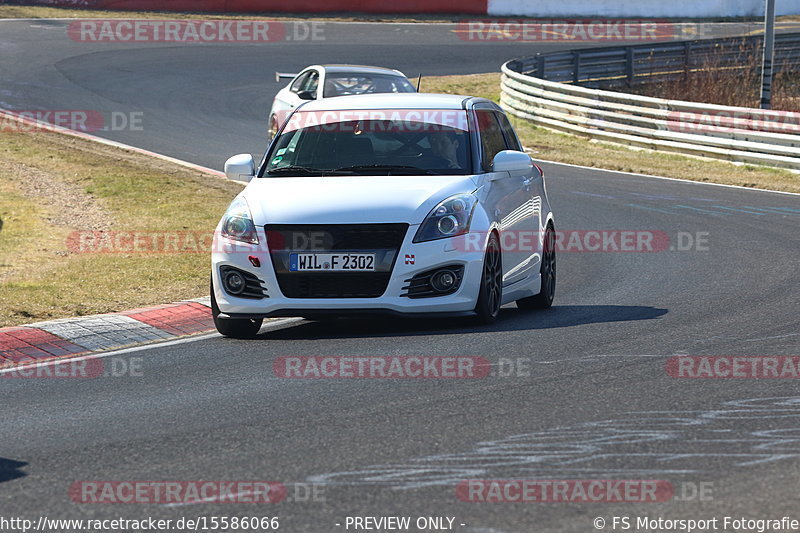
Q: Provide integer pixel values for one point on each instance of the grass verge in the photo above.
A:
(563, 148)
(52, 186)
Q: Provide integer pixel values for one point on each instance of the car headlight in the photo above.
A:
(237, 224)
(448, 219)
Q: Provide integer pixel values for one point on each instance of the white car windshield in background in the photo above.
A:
(375, 142)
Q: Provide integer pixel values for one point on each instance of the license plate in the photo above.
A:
(332, 262)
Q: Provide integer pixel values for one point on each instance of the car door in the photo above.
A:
(506, 199)
(529, 241)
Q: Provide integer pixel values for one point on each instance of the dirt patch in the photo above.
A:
(64, 206)
(69, 204)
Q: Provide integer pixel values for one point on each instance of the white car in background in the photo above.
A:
(405, 204)
(327, 81)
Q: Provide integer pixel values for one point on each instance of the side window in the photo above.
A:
(300, 81)
(512, 141)
(311, 82)
(492, 140)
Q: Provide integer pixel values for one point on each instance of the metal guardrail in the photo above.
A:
(610, 66)
(730, 133)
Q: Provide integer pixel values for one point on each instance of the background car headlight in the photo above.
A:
(448, 219)
(237, 224)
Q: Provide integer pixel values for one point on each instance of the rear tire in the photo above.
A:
(236, 328)
(490, 297)
(544, 299)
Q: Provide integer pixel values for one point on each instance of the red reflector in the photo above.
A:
(254, 261)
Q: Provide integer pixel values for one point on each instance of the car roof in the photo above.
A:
(393, 101)
(360, 69)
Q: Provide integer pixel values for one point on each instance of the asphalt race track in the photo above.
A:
(578, 391)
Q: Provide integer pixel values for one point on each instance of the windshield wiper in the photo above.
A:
(405, 169)
(296, 170)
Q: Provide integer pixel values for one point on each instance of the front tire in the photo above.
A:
(236, 328)
(490, 297)
(544, 299)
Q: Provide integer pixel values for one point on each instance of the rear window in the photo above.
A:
(345, 84)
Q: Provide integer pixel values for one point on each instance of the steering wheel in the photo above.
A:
(410, 145)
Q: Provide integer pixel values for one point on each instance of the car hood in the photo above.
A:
(350, 199)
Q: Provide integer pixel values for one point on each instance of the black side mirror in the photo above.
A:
(306, 95)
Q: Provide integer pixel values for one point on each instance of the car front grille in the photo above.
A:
(324, 238)
(382, 239)
(334, 285)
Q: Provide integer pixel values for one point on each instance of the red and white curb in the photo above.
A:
(68, 337)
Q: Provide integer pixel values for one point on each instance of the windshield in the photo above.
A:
(348, 83)
(398, 143)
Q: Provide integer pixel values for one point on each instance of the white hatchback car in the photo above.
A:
(327, 81)
(408, 204)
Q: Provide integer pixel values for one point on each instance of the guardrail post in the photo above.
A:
(540, 66)
(629, 65)
(576, 67)
(769, 55)
(687, 57)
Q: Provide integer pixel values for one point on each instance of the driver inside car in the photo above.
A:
(445, 148)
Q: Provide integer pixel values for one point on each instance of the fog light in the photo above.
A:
(443, 281)
(234, 282)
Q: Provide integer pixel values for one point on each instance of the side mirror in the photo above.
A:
(513, 162)
(240, 167)
(306, 95)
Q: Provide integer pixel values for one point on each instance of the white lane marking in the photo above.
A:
(759, 339)
(663, 442)
(570, 360)
(102, 355)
